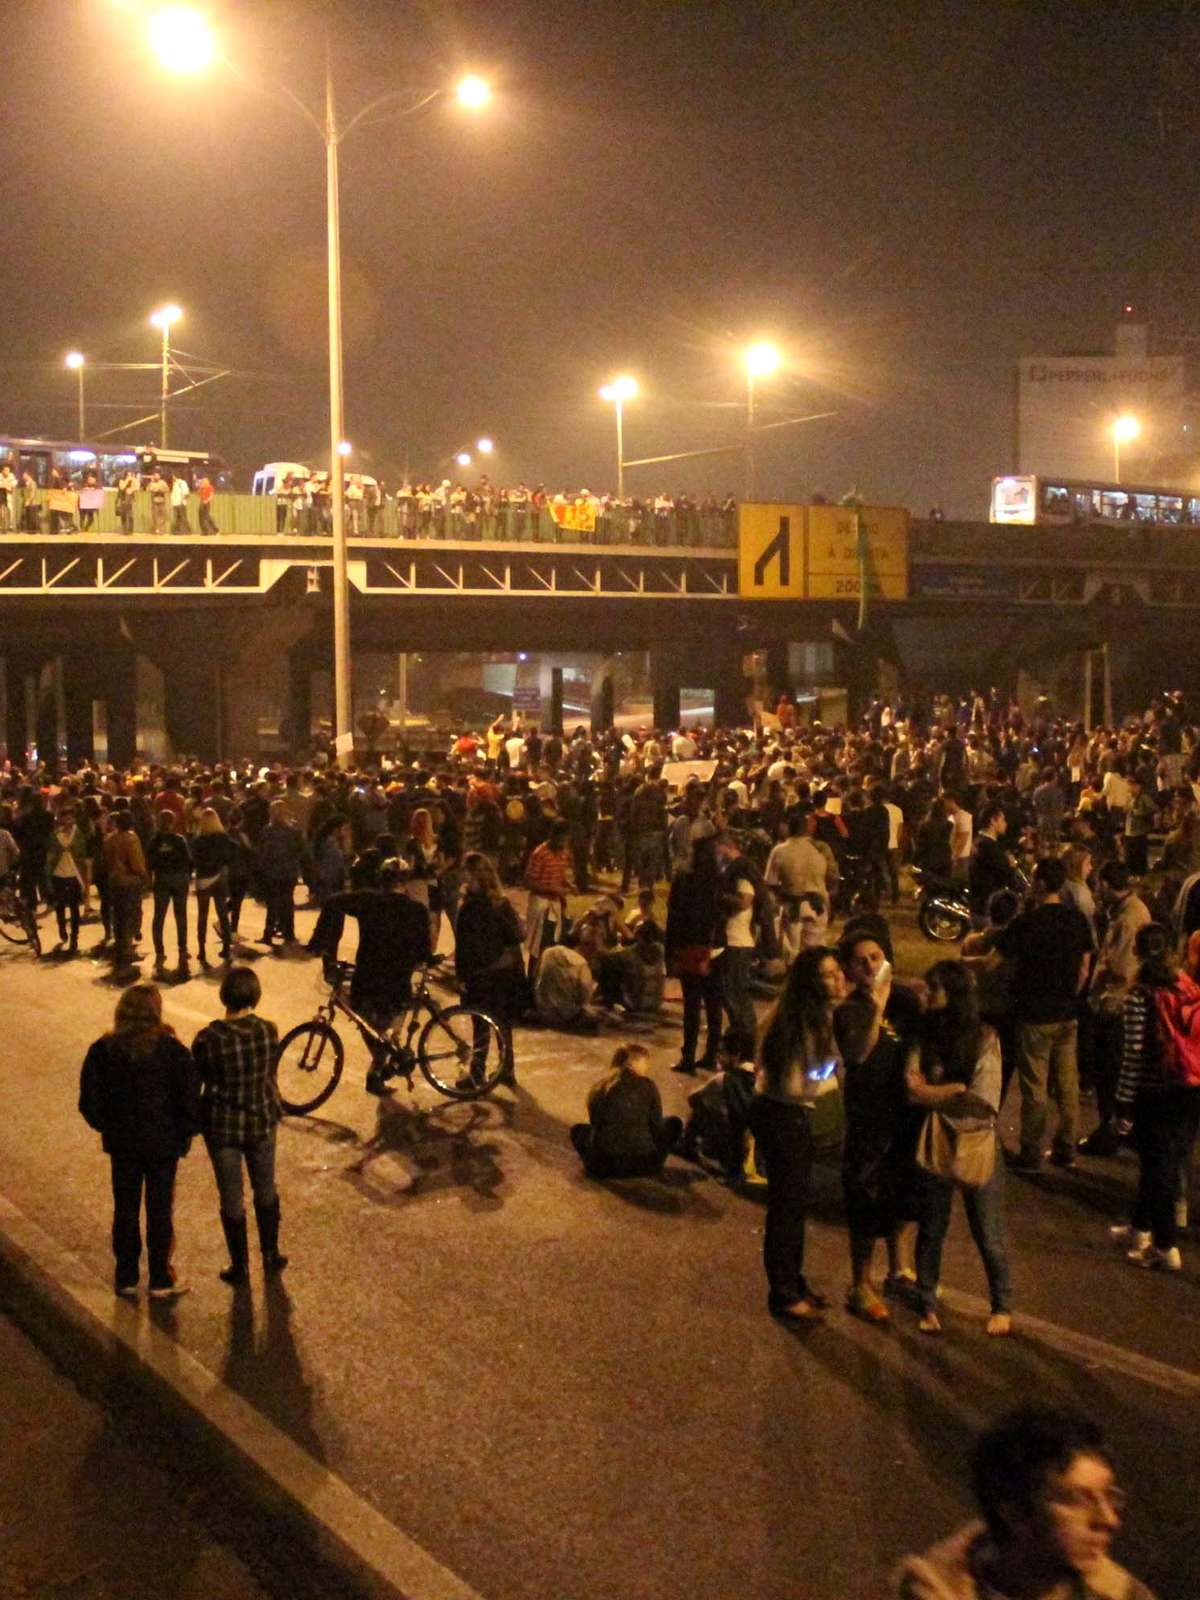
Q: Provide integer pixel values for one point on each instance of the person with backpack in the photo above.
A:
(1158, 1096)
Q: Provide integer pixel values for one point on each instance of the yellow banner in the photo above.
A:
(579, 517)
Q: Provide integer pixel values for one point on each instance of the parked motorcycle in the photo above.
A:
(944, 908)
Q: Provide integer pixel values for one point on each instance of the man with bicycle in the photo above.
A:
(393, 941)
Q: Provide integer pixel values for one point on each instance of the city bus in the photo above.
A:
(108, 461)
(1024, 499)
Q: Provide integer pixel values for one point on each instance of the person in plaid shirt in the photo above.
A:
(239, 1114)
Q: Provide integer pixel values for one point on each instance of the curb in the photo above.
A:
(311, 1524)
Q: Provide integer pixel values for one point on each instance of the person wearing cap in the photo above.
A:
(393, 940)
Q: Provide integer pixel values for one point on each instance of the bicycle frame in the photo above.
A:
(399, 1052)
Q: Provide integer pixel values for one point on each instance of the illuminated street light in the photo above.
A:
(181, 38)
(616, 393)
(74, 363)
(484, 446)
(164, 319)
(1124, 430)
(760, 360)
(473, 92)
(463, 458)
(345, 448)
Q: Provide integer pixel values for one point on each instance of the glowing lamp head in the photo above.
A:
(473, 93)
(165, 316)
(74, 360)
(761, 360)
(1126, 428)
(345, 448)
(463, 458)
(485, 446)
(620, 389)
(182, 39)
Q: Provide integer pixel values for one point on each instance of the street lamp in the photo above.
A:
(164, 319)
(760, 361)
(184, 42)
(345, 448)
(1124, 430)
(484, 446)
(74, 363)
(463, 458)
(616, 393)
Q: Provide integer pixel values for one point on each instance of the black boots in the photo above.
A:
(268, 1236)
(237, 1240)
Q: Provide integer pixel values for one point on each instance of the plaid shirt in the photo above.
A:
(236, 1061)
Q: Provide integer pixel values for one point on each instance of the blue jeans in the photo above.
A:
(259, 1156)
(985, 1217)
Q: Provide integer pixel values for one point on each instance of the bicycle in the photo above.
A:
(17, 922)
(461, 1051)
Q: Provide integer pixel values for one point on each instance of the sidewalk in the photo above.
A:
(83, 1511)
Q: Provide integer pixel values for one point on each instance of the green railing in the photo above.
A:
(247, 515)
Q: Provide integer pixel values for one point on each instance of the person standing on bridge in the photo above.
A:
(180, 490)
(126, 489)
(159, 491)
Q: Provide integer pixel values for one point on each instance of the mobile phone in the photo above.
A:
(883, 976)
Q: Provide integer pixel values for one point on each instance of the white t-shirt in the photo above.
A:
(739, 929)
(516, 750)
(960, 841)
(895, 823)
(179, 492)
(683, 747)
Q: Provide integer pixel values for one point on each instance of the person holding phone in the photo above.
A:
(873, 1027)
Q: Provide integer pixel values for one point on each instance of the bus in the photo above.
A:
(108, 461)
(1030, 501)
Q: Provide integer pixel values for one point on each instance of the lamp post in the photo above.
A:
(75, 363)
(1124, 430)
(164, 319)
(184, 42)
(760, 360)
(616, 393)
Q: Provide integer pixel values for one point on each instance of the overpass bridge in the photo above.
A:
(102, 634)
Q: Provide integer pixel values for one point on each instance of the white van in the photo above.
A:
(267, 479)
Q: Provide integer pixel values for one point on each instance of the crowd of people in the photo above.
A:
(1080, 975)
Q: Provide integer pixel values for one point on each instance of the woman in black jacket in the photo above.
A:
(213, 853)
(693, 915)
(488, 949)
(139, 1090)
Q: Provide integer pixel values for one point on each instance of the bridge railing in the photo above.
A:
(243, 515)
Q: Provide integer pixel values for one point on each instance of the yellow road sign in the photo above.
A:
(790, 552)
(771, 551)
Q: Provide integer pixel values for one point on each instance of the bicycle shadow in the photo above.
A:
(424, 1153)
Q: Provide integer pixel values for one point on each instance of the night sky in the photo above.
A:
(905, 196)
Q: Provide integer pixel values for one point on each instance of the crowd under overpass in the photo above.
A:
(92, 626)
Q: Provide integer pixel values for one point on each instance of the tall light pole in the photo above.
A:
(164, 319)
(616, 393)
(1124, 430)
(183, 41)
(760, 361)
(75, 363)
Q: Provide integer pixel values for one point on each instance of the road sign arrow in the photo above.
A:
(781, 546)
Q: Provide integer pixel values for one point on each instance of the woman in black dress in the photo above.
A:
(874, 1026)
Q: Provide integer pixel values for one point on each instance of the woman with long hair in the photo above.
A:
(424, 867)
(798, 1064)
(626, 1134)
(954, 1067)
(139, 1090)
(213, 853)
(1156, 1102)
(693, 914)
(488, 956)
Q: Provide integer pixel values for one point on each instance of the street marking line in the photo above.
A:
(355, 1535)
(1091, 1352)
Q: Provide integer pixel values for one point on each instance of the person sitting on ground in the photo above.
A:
(626, 1134)
(717, 1133)
(1050, 1505)
(563, 989)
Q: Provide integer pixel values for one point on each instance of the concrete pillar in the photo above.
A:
(666, 680)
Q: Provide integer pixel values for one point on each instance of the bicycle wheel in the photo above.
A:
(462, 1052)
(308, 1065)
(15, 928)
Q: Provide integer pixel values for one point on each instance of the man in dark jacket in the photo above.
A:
(393, 940)
(170, 865)
(281, 855)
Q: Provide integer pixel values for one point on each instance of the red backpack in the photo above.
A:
(1178, 1015)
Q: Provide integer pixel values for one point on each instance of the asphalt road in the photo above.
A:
(559, 1388)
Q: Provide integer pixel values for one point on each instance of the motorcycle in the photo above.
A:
(943, 909)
